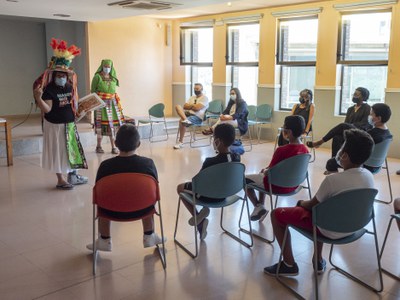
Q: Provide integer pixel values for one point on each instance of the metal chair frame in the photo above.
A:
(392, 217)
(156, 115)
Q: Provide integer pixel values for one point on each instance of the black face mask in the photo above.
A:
(302, 101)
(355, 100)
(197, 93)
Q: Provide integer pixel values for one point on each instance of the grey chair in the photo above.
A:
(397, 218)
(221, 181)
(355, 210)
(290, 172)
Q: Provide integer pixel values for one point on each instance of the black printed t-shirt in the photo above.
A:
(61, 109)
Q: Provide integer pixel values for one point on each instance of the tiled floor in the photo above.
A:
(43, 233)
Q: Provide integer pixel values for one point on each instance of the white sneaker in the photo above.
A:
(101, 245)
(259, 213)
(204, 212)
(76, 179)
(186, 123)
(203, 232)
(178, 146)
(150, 240)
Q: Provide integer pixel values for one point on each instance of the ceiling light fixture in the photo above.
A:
(62, 15)
(229, 4)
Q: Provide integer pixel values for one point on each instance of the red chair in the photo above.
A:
(126, 192)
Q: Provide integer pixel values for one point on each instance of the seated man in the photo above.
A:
(127, 140)
(224, 135)
(378, 117)
(192, 112)
(292, 131)
(355, 151)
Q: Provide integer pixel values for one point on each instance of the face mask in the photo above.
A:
(355, 100)
(233, 97)
(302, 101)
(215, 146)
(370, 120)
(60, 81)
(197, 93)
(338, 157)
(106, 70)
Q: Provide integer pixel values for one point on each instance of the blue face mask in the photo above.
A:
(60, 81)
(106, 70)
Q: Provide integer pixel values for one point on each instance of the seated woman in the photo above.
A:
(356, 115)
(379, 115)
(235, 114)
(292, 129)
(305, 109)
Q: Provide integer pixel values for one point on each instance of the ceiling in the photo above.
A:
(96, 10)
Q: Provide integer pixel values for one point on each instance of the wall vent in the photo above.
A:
(144, 5)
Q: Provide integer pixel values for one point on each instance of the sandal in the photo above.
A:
(207, 131)
(114, 151)
(65, 186)
(99, 150)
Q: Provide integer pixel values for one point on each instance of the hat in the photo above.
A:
(62, 55)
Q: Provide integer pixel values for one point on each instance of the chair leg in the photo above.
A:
(94, 240)
(191, 254)
(389, 184)
(193, 138)
(356, 279)
(243, 242)
(161, 251)
(383, 248)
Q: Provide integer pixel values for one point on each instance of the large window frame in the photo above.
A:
(230, 55)
(280, 57)
(344, 62)
(191, 61)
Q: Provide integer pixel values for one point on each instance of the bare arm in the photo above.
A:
(308, 204)
(310, 117)
(44, 105)
(197, 107)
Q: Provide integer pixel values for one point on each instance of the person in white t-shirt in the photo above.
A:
(354, 152)
(192, 112)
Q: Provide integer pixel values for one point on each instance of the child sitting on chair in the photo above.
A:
(292, 130)
(224, 136)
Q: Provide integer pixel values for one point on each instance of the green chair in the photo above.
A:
(156, 115)
(263, 117)
(355, 210)
(221, 181)
(378, 160)
(397, 218)
(290, 172)
(214, 110)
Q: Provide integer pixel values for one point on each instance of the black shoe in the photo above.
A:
(321, 266)
(398, 172)
(284, 270)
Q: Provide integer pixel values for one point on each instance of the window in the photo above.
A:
(197, 54)
(297, 52)
(242, 59)
(363, 54)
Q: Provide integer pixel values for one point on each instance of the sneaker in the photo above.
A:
(321, 266)
(204, 212)
(186, 123)
(178, 146)
(203, 231)
(150, 240)
(259, 213)
(284, 270)
(76, 179)
(101, 245)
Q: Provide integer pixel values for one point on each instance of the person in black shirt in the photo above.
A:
(127, 140)
(224, 136)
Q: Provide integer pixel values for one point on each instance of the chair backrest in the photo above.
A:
(157, 110)
(126, 192)
(252, 112)
(379, 154)
(215, 107)
(348, 211)
(264, 112)
(220, 181)
(290, 172)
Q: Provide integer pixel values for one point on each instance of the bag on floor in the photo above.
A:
(237, 147)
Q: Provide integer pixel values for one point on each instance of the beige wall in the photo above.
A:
(141, 57)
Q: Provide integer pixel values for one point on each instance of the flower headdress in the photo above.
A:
(62, 54)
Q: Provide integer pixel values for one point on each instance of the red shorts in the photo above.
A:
(296, 216)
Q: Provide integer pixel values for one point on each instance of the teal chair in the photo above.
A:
(290, 172)
(156, 115)
(355, 210)
(221, 181)
(378, 160)
(397, 218)
(263, 117)
(214, 110)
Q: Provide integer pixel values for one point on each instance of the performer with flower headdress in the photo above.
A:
(108, 119)
(55, 93)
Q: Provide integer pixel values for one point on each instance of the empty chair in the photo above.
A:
(214, 110)
(156, 115)
(263, 117)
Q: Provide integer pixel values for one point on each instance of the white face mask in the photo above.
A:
(106, 70)
(370, 120)
(233, 97)
(215, 146)
(338, 157)
(60, 81)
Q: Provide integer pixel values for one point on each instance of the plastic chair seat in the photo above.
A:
(156, 115)
(226, 202)
(346, 240)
